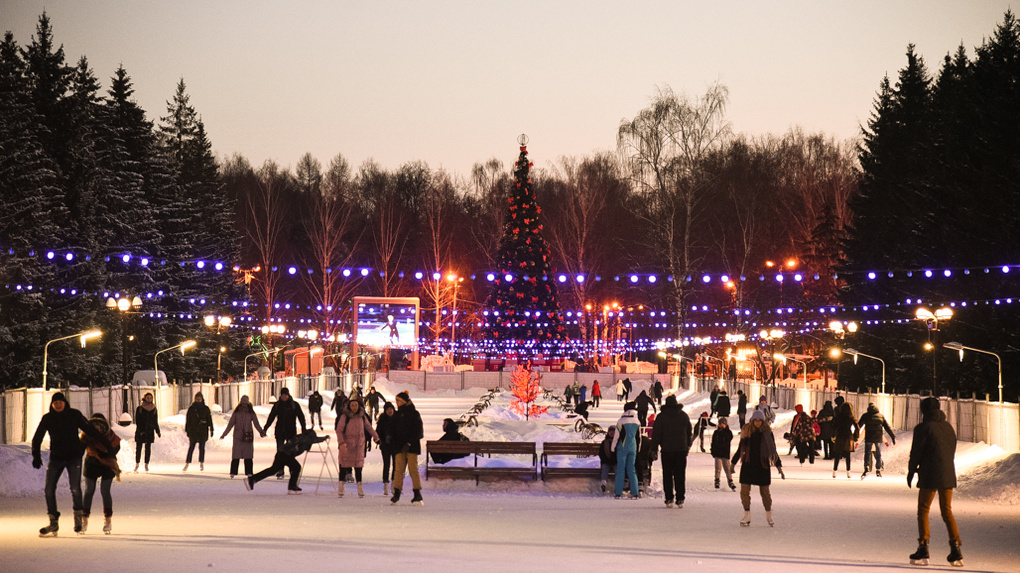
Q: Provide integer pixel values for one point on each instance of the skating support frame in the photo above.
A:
(329, 461)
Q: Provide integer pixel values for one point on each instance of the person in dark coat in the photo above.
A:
(198, 425)
(643, 401)
(315, 409)
(757, 453)
(372, 400)
(339, 402)
(700, 425)
(657, 391)
(845, 439)
(607, 457)
(722, 438)
(100, 465)
(627, 387)
(742, 407)
(62, 423)
(722, 405)
(827, 428)
(711, 401)
(286, 412)
(873, 423)
(384, 429)
(407, 434)
(451, 433)
(672, 434)
(286, 457)
(932, 460)
(146, 429)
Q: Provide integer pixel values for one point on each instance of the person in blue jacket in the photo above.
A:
(625, 444)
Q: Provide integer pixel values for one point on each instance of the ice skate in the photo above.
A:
(294, 491)
(746, 521)
(864, 475)
(136, 468)
(920, 557)
(833, 474)
(716, 484)
(955, 558)
(733, 486)
(878, 473)
(146, 467)
(361, 490)
(51, 529)
(679, 505)
(185, 468)
(78, 517)
(396, 496)
(669, 504)
(248, 485)
(340, 490)
(847, 474)
(417, 500)
(603, 486)
(386, 488)
(768, 519)
(84, 524)
(201, 466)
(108, 526)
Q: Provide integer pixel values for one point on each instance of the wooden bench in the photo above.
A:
(575, 449)
(477, 449)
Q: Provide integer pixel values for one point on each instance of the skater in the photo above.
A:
(607, 459)
(351, 428)
(315, 409)
(625, 445)
(873, 423)
(575, 391)
(722, 438)
(643, 401)
(620, 389)
(845, 438)
(722, 405)
(62, 423)
(339, 402)
(596, 394)
(766, 410)
(146, 429)
(286, 457)
(672, 433)
(802, 434)
(372, 400)
(286, 412)
(657, 391)
(198, 425)
(568, 394)
(627, 387)
(742, 407)
(384, 429)
(245, 423)
(582, 409)
(100, 465)
(407, 435)
(451, 433)
(827, 430)
(932, 459)
(699, 430)
(757, 453)
(711, 401)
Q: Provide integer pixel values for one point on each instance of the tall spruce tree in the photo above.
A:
(524, 311)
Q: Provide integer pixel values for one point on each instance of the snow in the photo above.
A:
(169, 520)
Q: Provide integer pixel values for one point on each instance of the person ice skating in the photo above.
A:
(372, 400)
(766, 410)
(575, 391)
(845, 437)
(932, 460)
(198, 425)
(643, 402)
(757, 453)
(244, 423)
(451, 433)
(351, 428)
(672, 434)
(100, 465)
(384, 428)
(568, 394)
(742, 407)
(596, 394)
(146, 429)
(802, 434)
(711, 401)
(873, 423)
(722, 438)
(607, 458)
(627, 387)
(620, 390)
(827, 429)
(286, 412)
(62, 424)
(407, 434)
(339, 402)
(722, 404)
(700, 426)
(286, 457)
(657, 391)
(625, 444)
(582, 409)
(315, 409)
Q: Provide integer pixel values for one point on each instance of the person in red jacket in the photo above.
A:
(932, 460)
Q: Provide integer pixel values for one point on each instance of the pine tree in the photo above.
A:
(523, 306)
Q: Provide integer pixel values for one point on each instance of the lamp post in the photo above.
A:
(722, 364)
(771, 336)
(855, 354)
(931, 320)
(961, 348)
(455, 281)
(83, 336)
(123, 305)
(218, 323)
(155, 359)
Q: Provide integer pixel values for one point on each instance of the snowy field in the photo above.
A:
(168, 520)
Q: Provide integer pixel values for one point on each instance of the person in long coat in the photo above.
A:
(384, 428)
(100, 465)
(757, 454)
(827, 428)
(932, 460)
(146, 429)
(351, 428)
(244, 423)
(846, 434)
(198, 425)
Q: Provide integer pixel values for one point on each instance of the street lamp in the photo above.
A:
(218, 323)
(839, 331)
(961, 348)
(83, 336)
(931, 320)
(855, 354)
(266, 352)
(722, 364)
(123, 305)
(155, 359)
(219, 358)
(784, 358)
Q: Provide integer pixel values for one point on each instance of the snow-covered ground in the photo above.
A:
(167, 520)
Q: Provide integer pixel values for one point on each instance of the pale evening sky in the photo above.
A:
(454, 82)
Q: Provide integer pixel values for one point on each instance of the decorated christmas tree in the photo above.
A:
(524, 313)
(526, 387)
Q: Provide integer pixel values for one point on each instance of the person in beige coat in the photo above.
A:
(245, 423)
(351, 429)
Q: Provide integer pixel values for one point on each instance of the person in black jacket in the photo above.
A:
(742, 407)
(932, 459)
(286, 412)
(607, 457)
(722, 438)
(62, 423)
(372, 400)
(827, 427)
(100, 465)
(672, 433)
(451, 433)
(315, 409)
(873, 423)
(384, 429)
(198, 425)
(757, 453)
(643, 401)
(286, 456)
(146, 429)
(722, 404)
(407, 435)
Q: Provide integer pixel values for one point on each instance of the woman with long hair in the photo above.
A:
(846, 432)
(757, 454)
(245, 423)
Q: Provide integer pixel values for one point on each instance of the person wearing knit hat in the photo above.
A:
(146, 429)
(198, 425)
(625, 444)
(100, 465)
(757, 453)
(932, 460)
(764, 407)
(407, 434)
(62, 423)
(244, 423)
(671, 433)
(286, 412)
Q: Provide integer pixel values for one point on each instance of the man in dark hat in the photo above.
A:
(672, 433)
(407, 435)
(932, 460)
(286, 412)
(62, 423)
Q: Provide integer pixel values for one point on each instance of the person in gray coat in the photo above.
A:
(244, 423)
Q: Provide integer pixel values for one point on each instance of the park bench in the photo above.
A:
(574, 449)
(476, 450)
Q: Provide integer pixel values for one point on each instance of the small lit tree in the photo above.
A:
(526, 386)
